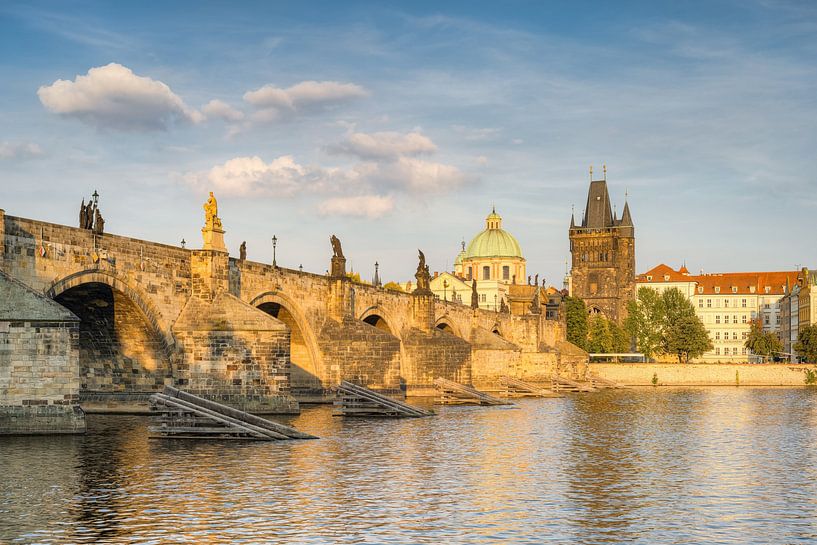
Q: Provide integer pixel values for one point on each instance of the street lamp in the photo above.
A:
(183, 243)
(300, 268)
(274, 244)
(495, 309)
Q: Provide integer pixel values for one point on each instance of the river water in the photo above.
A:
(653, 466)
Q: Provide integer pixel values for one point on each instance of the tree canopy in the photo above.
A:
(666, 323)
(394, 286)
(762, 343)
(576, 316)
(806, 345)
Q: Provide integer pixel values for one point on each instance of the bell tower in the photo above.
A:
(602, 249)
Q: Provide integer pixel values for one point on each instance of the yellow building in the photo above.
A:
(493, 258)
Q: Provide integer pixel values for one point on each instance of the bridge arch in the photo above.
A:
(303, 352)
(377, 316)
(136, 295)
(124, 348)
(444, 323)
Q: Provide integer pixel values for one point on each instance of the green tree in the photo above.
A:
(762, 343)
(621, 340)
(686, 337)
(576, 316)
(393, 286)
(354, 277)
(806, 345)
(599, 337)
(645, 321)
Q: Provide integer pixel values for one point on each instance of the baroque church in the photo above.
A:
(602, 249)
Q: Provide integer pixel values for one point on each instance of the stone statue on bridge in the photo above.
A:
(338, 263)
(474, 295)
(423, 276)
(503, 308)
(99, 222)
(242, 251)
(535, 306)
(337, 251)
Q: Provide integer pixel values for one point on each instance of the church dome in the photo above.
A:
(493, 241)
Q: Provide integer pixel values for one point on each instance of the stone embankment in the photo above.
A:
(702, 374)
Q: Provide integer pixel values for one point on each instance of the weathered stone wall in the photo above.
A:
(39, 363)
(701, 374)
(234, 354)
(431, 355)
(360, 353)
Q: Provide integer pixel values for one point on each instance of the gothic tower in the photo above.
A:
(603, 254)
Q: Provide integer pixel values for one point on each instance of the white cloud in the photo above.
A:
(419, 176)
(476, 134)
(481, 160)
(304, 94)
(20, 150)
(222, 110)
(369, 206)
(113, 97)
(248, 176)
(384, 145)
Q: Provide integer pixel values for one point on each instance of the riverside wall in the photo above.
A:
(702, 374)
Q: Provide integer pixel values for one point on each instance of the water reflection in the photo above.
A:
(651, 466)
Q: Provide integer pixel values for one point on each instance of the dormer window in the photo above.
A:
(700, 289)
(752, 289)
(734, 289)
(717, 289)
(767, 289)
(649, 278)
(666, 278)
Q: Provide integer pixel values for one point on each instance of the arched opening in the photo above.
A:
(445, 327)
(120, 351)
(496, 331)
(378, 322)
(303, 372)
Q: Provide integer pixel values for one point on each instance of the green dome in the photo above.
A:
(460, 257)
(493, 241)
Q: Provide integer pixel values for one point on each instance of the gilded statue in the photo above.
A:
(211, 219)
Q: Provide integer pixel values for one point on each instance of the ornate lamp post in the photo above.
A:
(96, 197)
(274, 245)
(495, 307)
(183, 243)
(300, 268)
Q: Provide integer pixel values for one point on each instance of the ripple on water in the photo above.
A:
(657, 466)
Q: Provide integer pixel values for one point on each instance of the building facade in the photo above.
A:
(602, 249)
(493, 259)
(798, 310)
(727, 303)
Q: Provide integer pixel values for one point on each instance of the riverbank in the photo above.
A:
(702, 374)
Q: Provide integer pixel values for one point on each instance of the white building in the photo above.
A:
(726, 303)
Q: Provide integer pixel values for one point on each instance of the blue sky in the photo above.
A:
(398, 125)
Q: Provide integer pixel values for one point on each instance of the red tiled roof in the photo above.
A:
(727, 283)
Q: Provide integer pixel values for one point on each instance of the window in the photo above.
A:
(734, 350)
(767, 289)
(718, 319)
(743, 303)
(486, 272)
(717, 289)
(726, 302)
(483, 298)
(743, 319)
(717, 335)
(734, 289)
(717, 351)
(735, 319)
(649, 278)
(752, 289)
(743, 350)
(709, 303)
(506, 272)
(700, 303)
(766, 319)
(666, 278)
(744, 335)
(734, 335)
(470, 274)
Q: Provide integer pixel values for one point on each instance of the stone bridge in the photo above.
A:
(252, 334)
